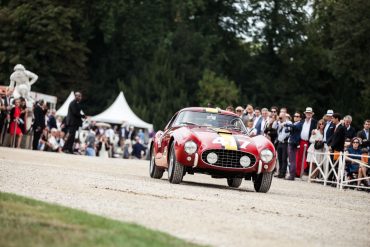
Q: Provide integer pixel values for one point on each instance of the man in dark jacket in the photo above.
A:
(52, 122)
(350, 131)
(365, 135)
(138, 149)
(6, 106)
(336, 141)
(293, 143)
(38, 123)
(73, 122)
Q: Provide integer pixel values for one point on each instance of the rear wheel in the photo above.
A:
(175, 169)
(262, 182)
(234, 182)
(154, 170)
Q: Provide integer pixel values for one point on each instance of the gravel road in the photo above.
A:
(201, 209)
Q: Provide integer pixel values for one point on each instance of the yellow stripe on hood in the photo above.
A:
(229, 141)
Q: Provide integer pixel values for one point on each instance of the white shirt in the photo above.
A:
(251, 131)
(263, 125)
(109, 133)
(305, 133)
(53, 142)
(282, 134)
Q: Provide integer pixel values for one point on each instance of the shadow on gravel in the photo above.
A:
(214, 186)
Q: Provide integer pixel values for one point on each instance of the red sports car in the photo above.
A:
(211, 141)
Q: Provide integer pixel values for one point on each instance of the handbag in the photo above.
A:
(336, 155)
(319, 145)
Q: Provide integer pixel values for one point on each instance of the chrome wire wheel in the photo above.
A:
(175, 169)
(151, 164)
(170, 166)
(154, 170)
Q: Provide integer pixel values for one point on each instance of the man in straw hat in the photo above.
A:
(308, 125)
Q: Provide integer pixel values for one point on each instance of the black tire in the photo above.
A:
(175, 169)
(234, 182)
(154, 170)
(262, 182)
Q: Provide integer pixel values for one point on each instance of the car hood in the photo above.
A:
(210, 138)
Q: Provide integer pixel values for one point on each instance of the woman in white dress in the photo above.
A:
(316, 155)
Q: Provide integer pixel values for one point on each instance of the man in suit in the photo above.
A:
(350, 131)
(257, 123)
(130, 133)
(365, 135)
(6, 105)
(73, 121)
(38, 123)
(264, 119)
(329, 126)
(308, 124)
(52, 122)
(336, 141)
(295, 130)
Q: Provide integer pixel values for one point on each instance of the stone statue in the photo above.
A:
(23, 79)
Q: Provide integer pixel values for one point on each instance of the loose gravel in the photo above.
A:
(201, 209)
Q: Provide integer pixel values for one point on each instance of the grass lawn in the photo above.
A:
(27, 222)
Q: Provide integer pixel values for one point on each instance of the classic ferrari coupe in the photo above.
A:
(214, 142)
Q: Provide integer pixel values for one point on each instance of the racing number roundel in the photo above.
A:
(229, 142)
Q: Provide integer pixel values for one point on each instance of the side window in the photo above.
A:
(170, 123)
(179, 119)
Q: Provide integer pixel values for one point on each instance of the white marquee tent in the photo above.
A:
(120, 112)
(63, 110)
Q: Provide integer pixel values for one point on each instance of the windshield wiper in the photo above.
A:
(188, 123)
(233, 127)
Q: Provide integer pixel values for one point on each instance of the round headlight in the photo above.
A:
(212, 158)
(190, 147)
(245, 161)
(266, 155)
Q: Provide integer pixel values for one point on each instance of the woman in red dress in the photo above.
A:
(15, 121)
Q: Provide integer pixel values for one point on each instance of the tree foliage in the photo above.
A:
(166, 55)
(217, 89)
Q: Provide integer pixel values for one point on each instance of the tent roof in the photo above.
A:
(120, 112)
(63, 110)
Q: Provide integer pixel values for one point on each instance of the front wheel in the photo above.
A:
(262, 182)
(234, 182)
(154, 170)
(175, 169)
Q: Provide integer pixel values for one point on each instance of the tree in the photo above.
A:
(217, 90)
(349, 58)
(43, 36)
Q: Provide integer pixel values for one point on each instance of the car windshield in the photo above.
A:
(209, 120)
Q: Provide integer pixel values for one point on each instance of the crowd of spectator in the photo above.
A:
(56, 134)
(301, 138)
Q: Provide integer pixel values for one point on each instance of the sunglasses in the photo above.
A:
(356, 142)
(239, 110)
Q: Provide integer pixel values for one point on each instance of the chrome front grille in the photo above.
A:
(228, 158)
